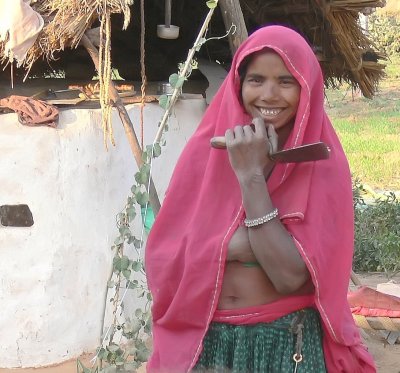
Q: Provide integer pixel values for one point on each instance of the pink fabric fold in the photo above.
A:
(186, 249)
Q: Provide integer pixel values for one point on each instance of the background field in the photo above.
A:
(370, 129)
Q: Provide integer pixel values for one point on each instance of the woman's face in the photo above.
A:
(269, 90)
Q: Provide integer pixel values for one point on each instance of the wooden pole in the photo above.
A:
(127, 123)
(232, 14)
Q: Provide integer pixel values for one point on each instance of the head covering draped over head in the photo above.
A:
(186, 249)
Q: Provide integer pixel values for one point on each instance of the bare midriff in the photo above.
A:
(245, 283)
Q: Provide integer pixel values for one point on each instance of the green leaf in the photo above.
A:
(117, 264)
(145, 156)
(131, 212)
(102, 354)
(135, 189)
(124, 231)
(173, 79)
(176, 81)
(111, 284)
(142, 176)
(127, 273)
(137, 243)
(136, 266)
(119, 361)
(163, 101)
(156, 150)
(142, 198)
(113, 348)
(119, 240)
(212, 3)
(125, 263)
(132, 327)
(121, 263)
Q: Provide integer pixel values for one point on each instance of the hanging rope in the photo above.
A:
(142, 72)
(105, 72)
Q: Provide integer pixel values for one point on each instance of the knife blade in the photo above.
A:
(304, 153)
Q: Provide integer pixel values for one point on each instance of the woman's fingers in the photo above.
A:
(229, 137)
(272, 138)
(248, 131)
(259, 126)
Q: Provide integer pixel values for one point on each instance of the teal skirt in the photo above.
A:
(265, 347)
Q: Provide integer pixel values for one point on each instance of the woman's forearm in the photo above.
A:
(271, 243)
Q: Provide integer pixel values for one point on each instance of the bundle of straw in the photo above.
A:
(350, 43)
(67, 20)
(356, 5)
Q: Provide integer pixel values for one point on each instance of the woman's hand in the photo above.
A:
(248, 149)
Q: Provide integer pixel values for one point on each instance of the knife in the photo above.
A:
(304, 153)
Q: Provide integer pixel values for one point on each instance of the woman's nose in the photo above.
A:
(268, 91)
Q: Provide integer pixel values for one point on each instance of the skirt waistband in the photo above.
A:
(264, 313)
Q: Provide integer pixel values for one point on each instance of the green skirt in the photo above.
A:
(265, 347)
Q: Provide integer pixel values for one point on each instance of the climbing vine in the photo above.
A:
(128, 270)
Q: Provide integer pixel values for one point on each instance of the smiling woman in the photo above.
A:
(249, 272)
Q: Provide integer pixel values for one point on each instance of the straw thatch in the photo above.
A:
(331, 26)
(65, 21)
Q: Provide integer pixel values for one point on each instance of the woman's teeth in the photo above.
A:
(264, 111)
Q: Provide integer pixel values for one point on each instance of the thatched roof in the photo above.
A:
(331, 26)
(65, 23)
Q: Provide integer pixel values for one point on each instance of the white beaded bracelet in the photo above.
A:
(264, 219)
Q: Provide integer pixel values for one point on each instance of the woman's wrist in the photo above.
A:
(251, 178)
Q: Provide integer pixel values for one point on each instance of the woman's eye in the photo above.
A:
(254, 80)
(287, 82)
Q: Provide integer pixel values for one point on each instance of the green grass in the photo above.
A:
(370, 130)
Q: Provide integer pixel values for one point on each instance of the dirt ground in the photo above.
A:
(387, 357)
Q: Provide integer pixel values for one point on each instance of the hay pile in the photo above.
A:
(332, 27)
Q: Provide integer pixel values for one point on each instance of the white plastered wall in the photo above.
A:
(53, 275)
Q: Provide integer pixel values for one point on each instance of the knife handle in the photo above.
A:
(218, 142)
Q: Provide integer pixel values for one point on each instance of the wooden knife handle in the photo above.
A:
(218, 142)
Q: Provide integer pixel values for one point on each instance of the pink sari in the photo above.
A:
(186, 249)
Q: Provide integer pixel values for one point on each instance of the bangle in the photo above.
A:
(259, 221)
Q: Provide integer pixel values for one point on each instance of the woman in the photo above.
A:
(249, 261)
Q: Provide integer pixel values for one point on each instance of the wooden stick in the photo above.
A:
(127, 123)
(232, 14)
